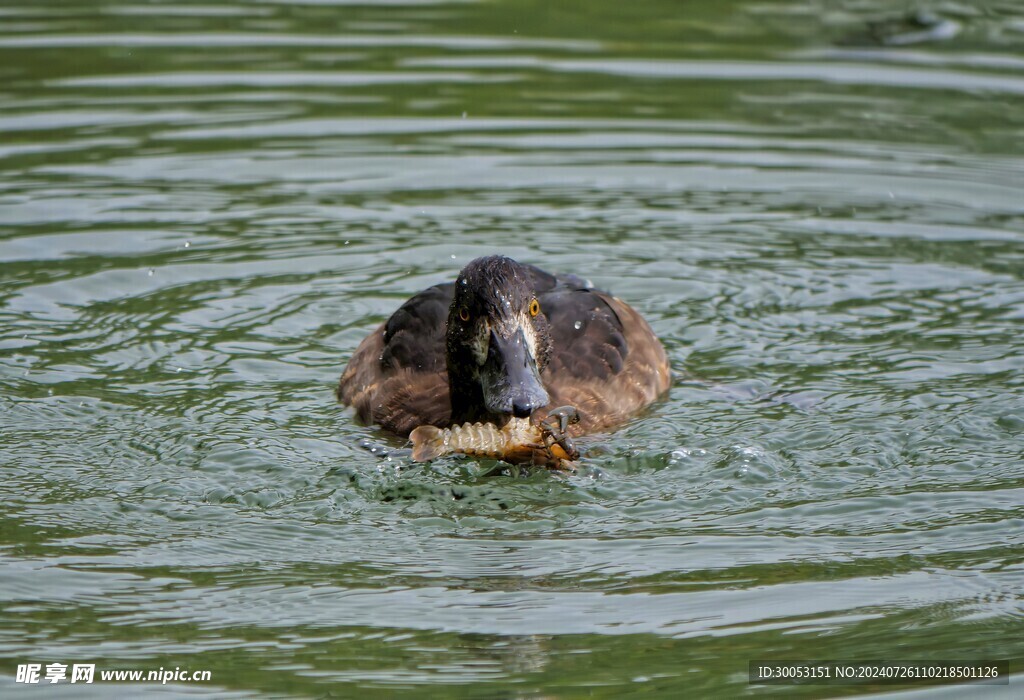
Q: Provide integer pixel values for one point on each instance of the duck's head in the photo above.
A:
(497, 342)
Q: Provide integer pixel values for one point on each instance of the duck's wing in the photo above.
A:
(606, 361)
(397, 377)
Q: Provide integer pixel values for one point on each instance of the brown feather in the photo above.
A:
(398, 399)
(604, 393)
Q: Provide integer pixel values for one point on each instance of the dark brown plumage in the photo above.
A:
(474, 350)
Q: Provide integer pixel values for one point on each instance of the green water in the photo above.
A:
(204, 207)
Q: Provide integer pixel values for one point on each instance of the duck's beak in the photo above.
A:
(509, 377)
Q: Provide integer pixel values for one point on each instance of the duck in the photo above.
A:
(506, 340)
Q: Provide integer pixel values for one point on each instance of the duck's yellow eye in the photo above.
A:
(464, 314)
(534, 307)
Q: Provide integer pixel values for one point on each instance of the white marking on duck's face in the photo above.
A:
(530, 333)
(512, 324)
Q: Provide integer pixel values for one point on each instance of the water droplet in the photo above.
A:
(578, 325)
(188, 244)
(346, 242)
(453, 257)
(151, 272)
(686, 453)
